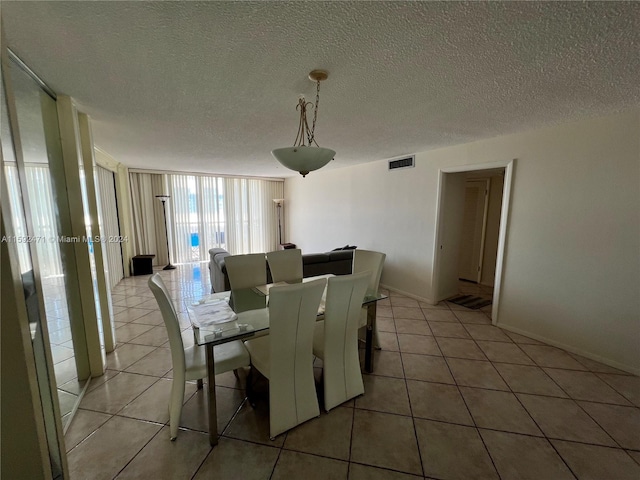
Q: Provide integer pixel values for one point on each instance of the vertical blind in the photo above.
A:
(204, 212)
(108, 216)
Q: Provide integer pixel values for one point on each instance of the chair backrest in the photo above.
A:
(285, 265)
(246, 271)
(171, 322)
(341, 364)
(364, 260)
(292, 317)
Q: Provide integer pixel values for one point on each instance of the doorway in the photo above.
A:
(460, 248)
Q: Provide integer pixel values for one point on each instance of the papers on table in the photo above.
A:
(215, 313)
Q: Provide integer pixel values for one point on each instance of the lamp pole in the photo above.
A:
(163, 199)
(278, 202)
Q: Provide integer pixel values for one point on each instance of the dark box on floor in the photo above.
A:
(142, 264)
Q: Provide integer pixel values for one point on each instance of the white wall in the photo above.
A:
(572, 261)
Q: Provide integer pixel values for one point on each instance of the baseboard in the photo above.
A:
(569, 348)
(410, 295)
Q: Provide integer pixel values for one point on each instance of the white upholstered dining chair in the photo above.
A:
(367, 260)
(285, 265)
(246, 271)
(285, 356)
(335, 339)
(189, 363)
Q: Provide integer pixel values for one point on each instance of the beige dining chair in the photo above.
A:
(245, 272)
(335, 339)
(285, 356)
(285, 265)
(367, 260)
(189, 363)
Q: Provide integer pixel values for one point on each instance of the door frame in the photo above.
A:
(509, 166)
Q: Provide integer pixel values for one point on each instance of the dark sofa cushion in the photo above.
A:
(338, 263)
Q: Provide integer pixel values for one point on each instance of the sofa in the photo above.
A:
(338, 262)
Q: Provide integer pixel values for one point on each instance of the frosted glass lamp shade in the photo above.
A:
(303, 159)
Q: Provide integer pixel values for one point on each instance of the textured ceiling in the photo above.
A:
(212, 86)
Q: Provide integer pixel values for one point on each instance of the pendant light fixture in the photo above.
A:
(303, 157)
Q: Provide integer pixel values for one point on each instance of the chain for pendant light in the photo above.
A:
(303, 127)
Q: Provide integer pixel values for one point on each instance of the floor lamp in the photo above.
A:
(163, 199)
(279, 202)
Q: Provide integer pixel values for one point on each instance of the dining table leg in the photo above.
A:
(368, 347)
(211, 391)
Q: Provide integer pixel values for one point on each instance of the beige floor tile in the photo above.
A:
(97, 381)
(60, 353)
(129, 301)
(402, 301)
(157, 363)
(162, 458)
(634, 455)
(520, 457)
(435, 401)
(129, 331)
(83, 424)
(115, 393)
(448, 329)
(622, 423)
(590, 462)
(66, 401)
(126, 355)
(504, 352)
(195, 410)
(476, 373)
(522, 339)
(300, 465)
(385, 324)
(252, 424)
(150, 303)
(383, 311)
(238, 460)
(365, 472)
(416, 327)
(585, 386)
(529, 379)
(153, 403)
(371, 446)
(427, 368)
(438, 306)
(546, 356)
(498, 411)
(110, 448)
(439, 315)
(384, 394)
(563, 418)
(460, 348)
(152, 318)
(130, 314)
(453, 452)
(328, 435)
(228, 379)
(478, 318)
(387, 364)
(627, 385)
(388, 341)
(413, 313)
(487, 332)
(155, 337)
(422, 344)
(596, 367)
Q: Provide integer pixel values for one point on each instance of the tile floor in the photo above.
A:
(452, 397)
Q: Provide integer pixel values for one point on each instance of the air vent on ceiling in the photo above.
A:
(402, 163)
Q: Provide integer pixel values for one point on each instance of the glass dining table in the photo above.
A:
(251, 319)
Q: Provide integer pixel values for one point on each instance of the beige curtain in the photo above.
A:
(251, 215)
(148, 220)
